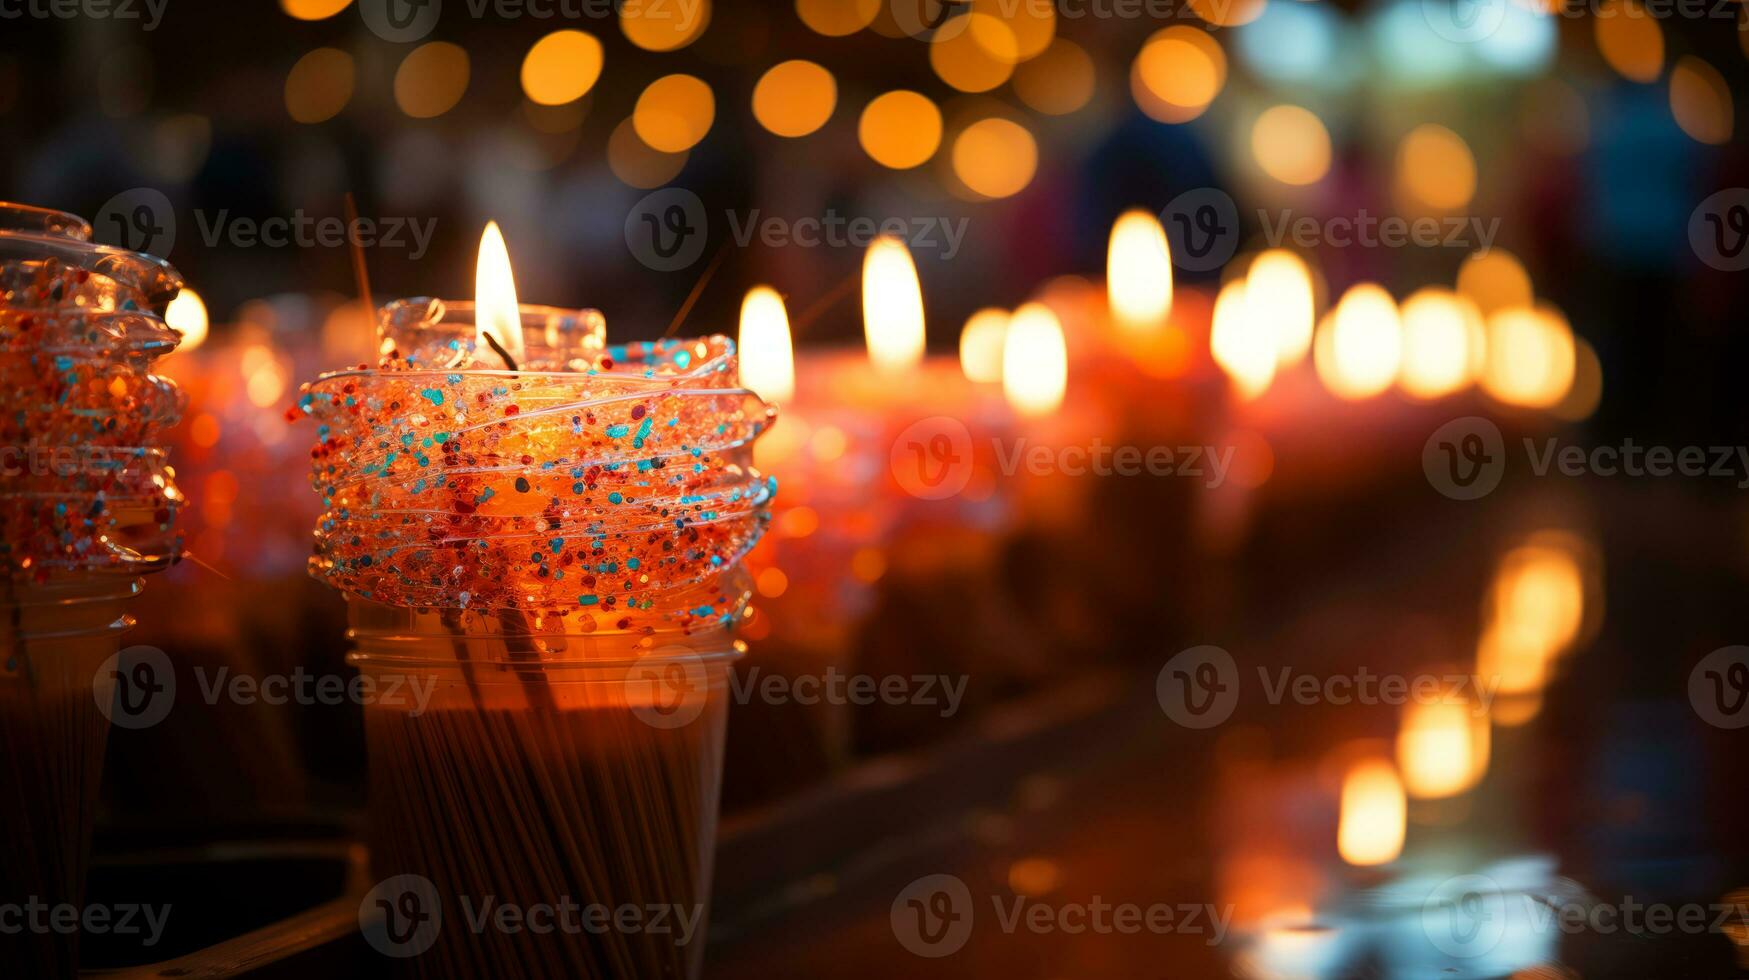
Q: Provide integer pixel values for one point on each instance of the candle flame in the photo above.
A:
(768, 364)
(981, 345)
(1442, 748)
(1358, 353)
(1374, 815)
(892, 306)
(186, 315)
(1242, 342)
(1035, 361)
(1138, 272)
(496, 313)
(1278, 294)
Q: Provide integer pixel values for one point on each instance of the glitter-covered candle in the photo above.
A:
(540, 537)
(88, 504)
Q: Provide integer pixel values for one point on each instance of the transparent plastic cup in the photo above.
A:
(543, 801)
(55, 637)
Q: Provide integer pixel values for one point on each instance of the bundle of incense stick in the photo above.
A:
(545, 563)
(581, 796)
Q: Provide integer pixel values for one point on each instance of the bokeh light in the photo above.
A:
(431, 80)
(313, 9)
(1531, 357)
(1278, 293)
(794, 98)
(981, 343)
(636, 163)
(1032, 23)
(674, 113)
(1701, 101)
(1494, 280)
(1138, 272)
(1178, 72)
(1242, 345)
(995, 157)
(1357, 352)
(663, 25)
(1373, 815)
(561, 67)
(900, 129)
(976, 58)
(1057, 82)
(1035, 361)
(319, 85)
(1444, 343)
(1291, 42)
(1630, 40)
(837, 18)
(1291, 145)
(1435, 171)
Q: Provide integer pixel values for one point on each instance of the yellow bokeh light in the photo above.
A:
(663, 25)
(794, 98)
(981, 345)
(1442, 748)
(1444, 343)
(1630, 40)
(313, 9)
(1035, 361)
(1357, 352)
(187, 315)
(1242, 344)
(1032, 23)
(1586, 392)
(1435, 170)
(1058, 81)
(1701, 101)
(1178, 73)
(319, 85)
(978, 57)
(1138, 273)
(995, 157)
(431, 79)
(561, 67)
(1291, 145)
(638, 165)
(900, 129)
(1494, 280)
(1373, 815)
(1531, 357)
(674, 113)
(1278, 292)
(837, 18)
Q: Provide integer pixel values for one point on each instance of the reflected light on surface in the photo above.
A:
(1035, 361)
(1278, 294)
(892, 306)
(1138, 272)
(1444, 343)
(1291, 145)
(1242, 344)
(981, 345)
(768, 364)
(1531, 358)
(1437, 748)
(1357, 353)
(1374, 815)
(186, 315)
